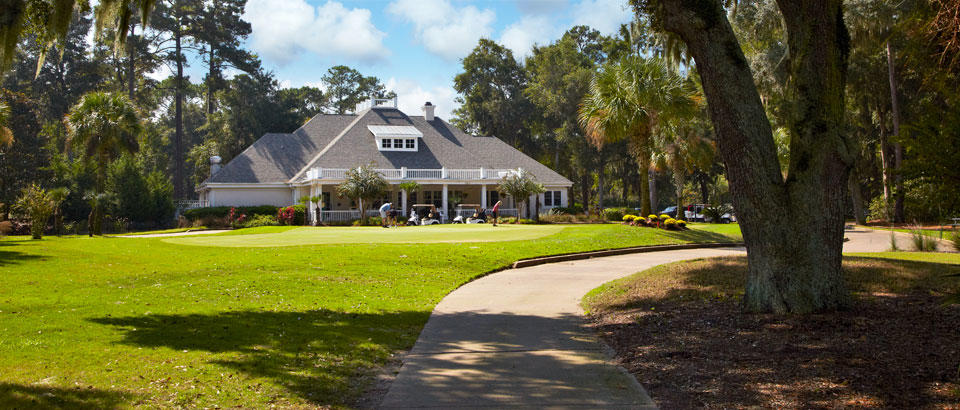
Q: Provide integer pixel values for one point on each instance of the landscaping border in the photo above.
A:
(523, 263)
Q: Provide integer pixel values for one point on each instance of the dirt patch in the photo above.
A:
(893, 350)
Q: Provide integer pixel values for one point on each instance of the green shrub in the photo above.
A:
(260, 220)
(571, 210)
(299, 215)
(613, 214)
(955, 239)
(223, 211)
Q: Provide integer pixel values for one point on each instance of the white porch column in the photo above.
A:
(403, 203)
(320, 194)
(311, 218)
(483, 194)
(444, 204)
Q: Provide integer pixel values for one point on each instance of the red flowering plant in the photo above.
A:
(286, 215)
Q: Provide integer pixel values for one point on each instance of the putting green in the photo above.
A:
(406, 234)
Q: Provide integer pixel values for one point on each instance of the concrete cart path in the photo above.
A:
(517, 338)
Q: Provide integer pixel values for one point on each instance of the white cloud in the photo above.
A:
(523, 34)
(603, 15)
(411, 96)
(282, 29)
(442, 29)
(162, 72)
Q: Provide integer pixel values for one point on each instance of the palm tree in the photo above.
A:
(636, 99)
(519, 186)
(105, 125)
(363, 185)
(6, 136)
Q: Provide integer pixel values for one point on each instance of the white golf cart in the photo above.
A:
(424, 214)
(476, 214)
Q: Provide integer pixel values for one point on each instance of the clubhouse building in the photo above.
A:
(451, 166)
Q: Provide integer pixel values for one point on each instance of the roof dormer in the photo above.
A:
(396, 137)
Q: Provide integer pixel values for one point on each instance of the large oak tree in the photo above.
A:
(792, 224)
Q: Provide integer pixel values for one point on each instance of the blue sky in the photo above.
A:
(413, 46)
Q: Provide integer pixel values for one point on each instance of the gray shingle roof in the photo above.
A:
(277, 157)
(281, 157)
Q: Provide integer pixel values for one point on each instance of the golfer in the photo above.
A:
(496, 213)
(383, 213)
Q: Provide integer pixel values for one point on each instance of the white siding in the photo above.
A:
(250, 196)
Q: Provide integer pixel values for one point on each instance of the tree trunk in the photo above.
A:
(131, 63)
(211, 81)
(600, 186)
(897, 147)
(793, 227)
(652, 187)
(886, 163)
(646, 184)
(178, 187)
(856, 197)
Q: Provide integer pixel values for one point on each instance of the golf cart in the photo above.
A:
(477, 215)
(424, 214)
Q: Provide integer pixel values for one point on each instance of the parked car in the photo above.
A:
(707, 213)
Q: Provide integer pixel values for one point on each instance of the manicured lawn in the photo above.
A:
(376, 234)
(174, 230)
(678, 328)
(109, 322)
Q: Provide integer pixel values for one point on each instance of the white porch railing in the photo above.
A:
(339, 216)
(469, 174)
(512, 212)
(424, 173)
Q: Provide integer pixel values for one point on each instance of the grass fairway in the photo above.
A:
(143, 322)
(375, 234)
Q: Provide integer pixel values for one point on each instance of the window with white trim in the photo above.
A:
(552, 198)
(411, 143)
(385, 143)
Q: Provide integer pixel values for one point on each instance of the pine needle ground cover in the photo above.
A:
(679, 330)
(107, 322)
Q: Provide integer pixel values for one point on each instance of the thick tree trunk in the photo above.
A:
(793, 227)
(897, 147)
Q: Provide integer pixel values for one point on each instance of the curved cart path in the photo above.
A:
(517, 338)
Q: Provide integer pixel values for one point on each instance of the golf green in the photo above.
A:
(406, 234)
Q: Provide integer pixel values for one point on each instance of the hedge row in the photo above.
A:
(223, 211)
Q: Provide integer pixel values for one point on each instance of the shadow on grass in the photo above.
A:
(10, 257)
(318, 355)
(895, 347)
(700, 236)
(18, 396)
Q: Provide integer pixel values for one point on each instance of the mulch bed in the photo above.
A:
(889, 351)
